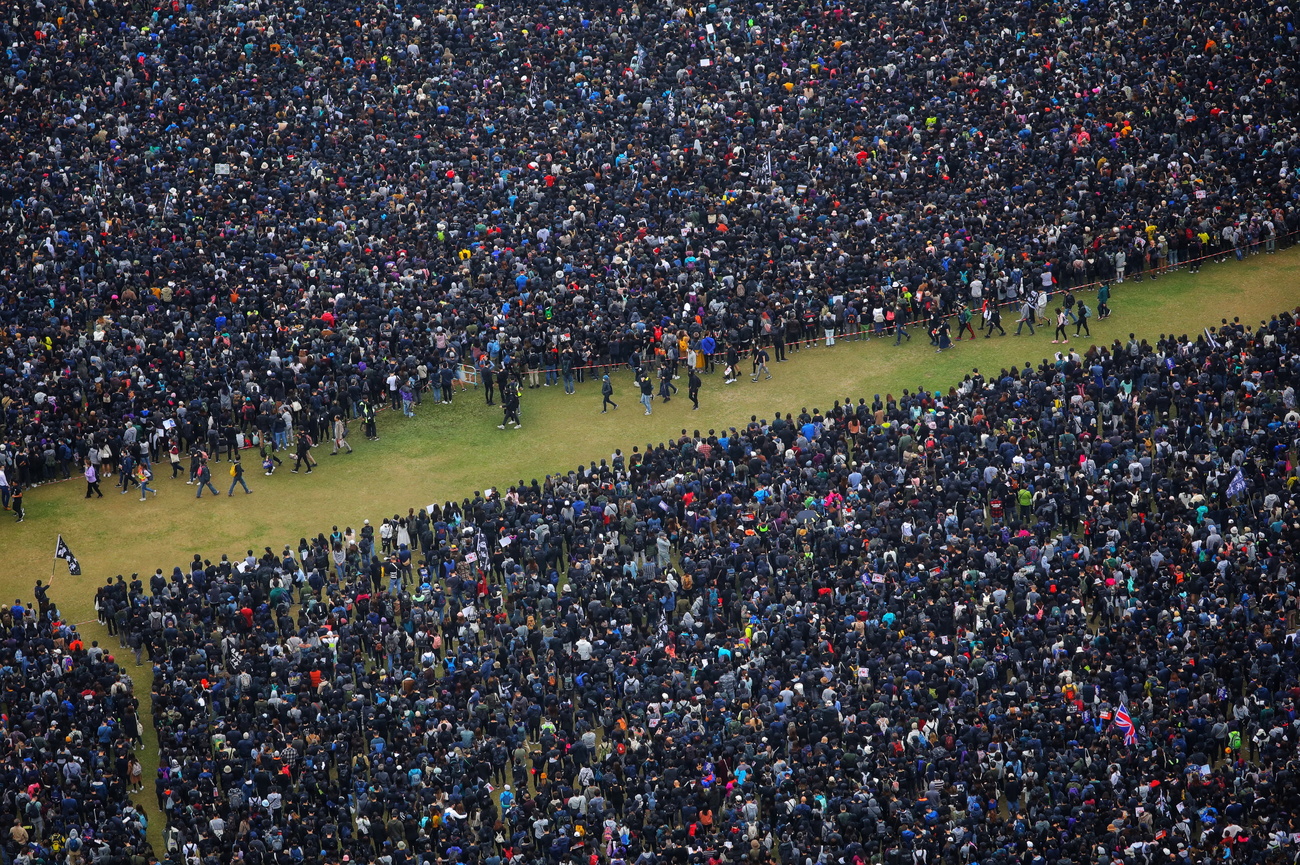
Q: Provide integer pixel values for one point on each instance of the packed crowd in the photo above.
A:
(217, 214)
(69, 731)
(898, 631)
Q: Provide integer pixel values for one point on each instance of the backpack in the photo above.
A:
(232, 470)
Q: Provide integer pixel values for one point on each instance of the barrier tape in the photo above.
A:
(1087, 286)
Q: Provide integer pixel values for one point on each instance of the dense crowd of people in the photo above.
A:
(69, 733)
(900, 630)
(220, 215)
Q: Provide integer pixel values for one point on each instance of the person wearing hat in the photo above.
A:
(606, 393)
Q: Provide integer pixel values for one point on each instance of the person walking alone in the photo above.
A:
(606, 392)
(647, 392)
(900, 323)
(237, 477)
(1060, 335)
(143, 475)
(16, 501)
(1026, 317)
(303, 453)
(693, 388)
(127, 473)
(205, 480)
(340, 436)
(92, 480)
(760, 364)
(510, 404)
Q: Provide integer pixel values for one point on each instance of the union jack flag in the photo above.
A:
(1125, 725)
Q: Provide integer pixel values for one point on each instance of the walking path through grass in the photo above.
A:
(450, 451)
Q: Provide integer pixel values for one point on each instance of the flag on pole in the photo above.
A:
(61, 551)
(1125, 725)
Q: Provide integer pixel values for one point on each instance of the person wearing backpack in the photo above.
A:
(205, 480)
(303, 453)
(237, 477)
(1082, 313)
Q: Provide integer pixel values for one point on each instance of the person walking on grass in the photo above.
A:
(1026, 317)
(647, 392)
(1060, 335)
(92, 480)
(943, 336)
(340, 436)
(269, 460)
(900, 323)
(993, 320)
(174, 458)
(16, 501)
(963, 322)
(666, 384)
(606, 393)
(759, 363)
(303, 452)
(510, 404)
(731, 372)
(196, 462)
(1082, 314)
(128, 474)
(693, 388)
(1103, 301)
(237, 477)
(205, 481)
(142, 476)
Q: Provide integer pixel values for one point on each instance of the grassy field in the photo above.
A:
(448, 452)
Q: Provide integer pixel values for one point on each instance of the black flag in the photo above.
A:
(62, 552)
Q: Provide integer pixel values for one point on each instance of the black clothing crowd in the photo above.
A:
(892, 632)
(218, 215)
(69, 735)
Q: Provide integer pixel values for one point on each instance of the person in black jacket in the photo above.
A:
(607, 391)
(510, 404)
(237, 477)
(647, 392)
(303, 452)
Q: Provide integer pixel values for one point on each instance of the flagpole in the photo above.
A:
(54, 563)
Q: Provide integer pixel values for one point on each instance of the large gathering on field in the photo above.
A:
(680, 492)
